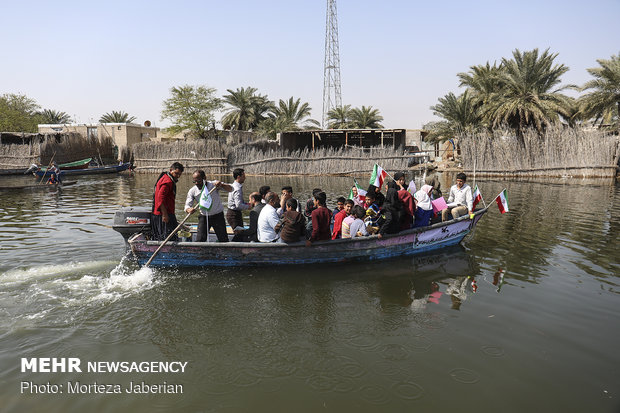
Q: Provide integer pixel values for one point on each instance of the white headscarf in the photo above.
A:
(424, 201)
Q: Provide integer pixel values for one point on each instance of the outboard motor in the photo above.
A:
(131, 220)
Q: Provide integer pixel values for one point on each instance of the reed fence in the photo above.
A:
(59, 148)
(559, 152)
(16, 156)
(264, 158)
(209, 155)
(73, 146)
(321, 161)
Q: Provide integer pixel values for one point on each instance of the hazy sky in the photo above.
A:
(87, 58)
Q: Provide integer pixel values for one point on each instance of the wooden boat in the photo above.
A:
(14, 171)
(91, 171)
(233, 254)
(38, 186)
(81, 164)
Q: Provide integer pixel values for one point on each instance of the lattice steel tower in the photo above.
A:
(332, 97)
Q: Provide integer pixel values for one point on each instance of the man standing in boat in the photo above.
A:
(163, 220)
(214, 215)
(235, 200)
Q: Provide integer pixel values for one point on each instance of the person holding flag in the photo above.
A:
(210, 205)
(357, 194)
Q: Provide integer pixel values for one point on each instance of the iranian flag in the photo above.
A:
(477, 198)
(361, 194)
(378, 176)
(502, 201)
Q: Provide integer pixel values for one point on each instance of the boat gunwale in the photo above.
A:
(132, 240)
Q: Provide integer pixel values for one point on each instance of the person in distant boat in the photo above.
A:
(236, 204)
(250, 234)
(424, 207)
(54, 172)
(212, 211)
(292, 226)
(460, 201)
(163, 220)
(268, 219)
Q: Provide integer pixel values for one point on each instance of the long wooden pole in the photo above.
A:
(174, 232)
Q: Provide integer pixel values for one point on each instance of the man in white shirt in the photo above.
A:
(235, 200)
(460, 201)
(212, 217)
(268, 219)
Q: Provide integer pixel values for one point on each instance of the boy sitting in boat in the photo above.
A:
(355, 226)
(460, 200)
(54, 172)
(373, 213)
(292, 226)
(339, 218)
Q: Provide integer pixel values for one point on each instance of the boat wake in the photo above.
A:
(42, 293)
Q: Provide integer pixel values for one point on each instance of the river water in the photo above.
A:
(537, 329)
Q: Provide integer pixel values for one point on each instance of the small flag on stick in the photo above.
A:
(411, 188)
(361, 194)
(502, 201)
(477, 197)
(206, 202)
(378, 176)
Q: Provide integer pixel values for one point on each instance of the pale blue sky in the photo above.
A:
(88, 58)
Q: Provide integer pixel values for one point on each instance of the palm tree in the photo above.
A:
(116, 117)
(366, 118)
(246, 110)
(339, 117)
(288, 115)
(54, 117)
(603, 103)
(296, 113)
(528, 96)
(461, 115)
(482, 81)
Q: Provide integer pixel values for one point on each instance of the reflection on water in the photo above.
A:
(529, 300)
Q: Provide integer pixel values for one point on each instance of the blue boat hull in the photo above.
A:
(241, 254)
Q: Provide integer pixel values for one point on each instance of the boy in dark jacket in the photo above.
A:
(293, 224)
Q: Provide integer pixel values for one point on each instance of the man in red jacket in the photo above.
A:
(163, 220)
